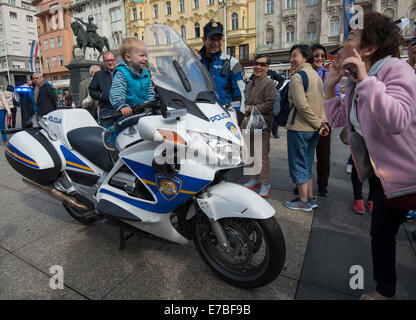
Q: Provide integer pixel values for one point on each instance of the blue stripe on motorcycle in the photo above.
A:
(73, 161)
(20, 156)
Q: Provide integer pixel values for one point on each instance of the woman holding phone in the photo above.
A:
(380, 115)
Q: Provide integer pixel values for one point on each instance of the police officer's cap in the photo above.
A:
(213, 28)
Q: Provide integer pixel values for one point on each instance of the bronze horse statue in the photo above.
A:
(80, 34)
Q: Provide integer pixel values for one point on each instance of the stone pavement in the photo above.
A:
(36, 233)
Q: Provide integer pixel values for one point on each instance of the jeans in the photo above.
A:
(3, 116)
(301, 147)
(385, 223)
(105, 112)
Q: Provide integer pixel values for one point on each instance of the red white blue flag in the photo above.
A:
(34, 53)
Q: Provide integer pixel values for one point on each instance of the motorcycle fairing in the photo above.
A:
(169, 191)
(21, 157)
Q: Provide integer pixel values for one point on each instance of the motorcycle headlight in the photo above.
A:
(227, 153)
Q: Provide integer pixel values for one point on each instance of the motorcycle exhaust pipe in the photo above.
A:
(56, 194)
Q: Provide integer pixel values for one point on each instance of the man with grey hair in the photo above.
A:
(100, 88)
(84, 96)
(44, 94)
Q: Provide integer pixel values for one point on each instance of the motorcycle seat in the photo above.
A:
(88, 142)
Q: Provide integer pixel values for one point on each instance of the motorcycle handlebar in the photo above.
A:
(137, 109)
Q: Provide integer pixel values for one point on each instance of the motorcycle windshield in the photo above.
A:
(173, 65)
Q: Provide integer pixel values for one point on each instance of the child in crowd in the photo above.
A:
(131, 85)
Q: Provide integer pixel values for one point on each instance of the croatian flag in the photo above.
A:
(348, 6)
(34, 51)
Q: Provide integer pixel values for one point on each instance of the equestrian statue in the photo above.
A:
(88, 38)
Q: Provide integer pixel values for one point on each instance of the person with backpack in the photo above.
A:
(305, 123)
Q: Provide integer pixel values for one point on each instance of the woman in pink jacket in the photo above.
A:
(4, 109)
(379, 110)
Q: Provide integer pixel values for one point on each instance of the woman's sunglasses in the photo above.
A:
(262, 64)
(317, 56)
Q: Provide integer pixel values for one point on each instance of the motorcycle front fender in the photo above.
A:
(230, 200)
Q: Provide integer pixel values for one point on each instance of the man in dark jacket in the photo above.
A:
(45, 97)
(100, 88)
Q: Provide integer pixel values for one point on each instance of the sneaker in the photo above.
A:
(253, 183)
(370, 206)
(298, 204)
(322, 191)
(296, 191)
(265, 190)
(313, 202)
(109, 139)
(411, 216)
(358, 206)
(349, 168)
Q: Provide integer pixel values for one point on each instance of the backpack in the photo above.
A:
(283, 115)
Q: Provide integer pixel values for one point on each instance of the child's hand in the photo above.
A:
(126, 111)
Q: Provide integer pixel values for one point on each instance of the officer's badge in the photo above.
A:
(214, 25)
(169, 187)
(230, 126)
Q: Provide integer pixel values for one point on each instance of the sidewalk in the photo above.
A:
(36, 233)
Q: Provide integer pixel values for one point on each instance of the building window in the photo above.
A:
(269, 6)
(197, 29)
(136, 35)
(29, 18)
(45, 44)
(181, 5)
(52, 42)
(231, 51)
(290, 4)
(61, 61)
(48, 63)
(290, 34)
(141, 15)
(17, 52)
(115, 14)
(196, 4)
(269, 36)
(26, 5)
(312, 2)
(13, 15)
(156, 11)
(311, 31)
(168, 8)
(134, 14)
(334, 27)
(59, 41)
(183, 32)
(54, 62)
(211, 2)
(244, 52)
(234, 21)
(16, 40)
(12, 2)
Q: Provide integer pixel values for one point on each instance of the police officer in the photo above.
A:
(226, 71)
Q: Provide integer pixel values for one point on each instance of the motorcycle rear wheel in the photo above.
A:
(257, 252)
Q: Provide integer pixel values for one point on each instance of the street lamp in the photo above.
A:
(5, 43)
(223, 3)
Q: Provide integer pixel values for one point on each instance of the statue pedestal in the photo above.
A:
(79, 70)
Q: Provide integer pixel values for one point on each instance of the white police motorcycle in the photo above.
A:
(168, 179)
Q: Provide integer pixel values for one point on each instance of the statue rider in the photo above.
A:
(91, 33)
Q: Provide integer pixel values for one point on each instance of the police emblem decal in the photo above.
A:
(230, 126)
(169, 187)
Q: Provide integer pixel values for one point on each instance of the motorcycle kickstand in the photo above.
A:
(123, 239)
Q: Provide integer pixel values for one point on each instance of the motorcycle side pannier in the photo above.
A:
(32, 155)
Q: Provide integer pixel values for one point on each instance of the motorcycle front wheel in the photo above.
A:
(255, 256)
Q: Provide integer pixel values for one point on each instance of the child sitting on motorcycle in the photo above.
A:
(131, 85)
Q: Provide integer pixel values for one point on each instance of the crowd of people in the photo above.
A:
(367, 90)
